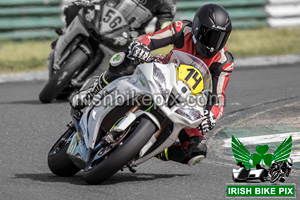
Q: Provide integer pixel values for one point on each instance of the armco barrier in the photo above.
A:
(21, 19)
(249, 13)
(244, 13)
(24, 19)
(283, 13)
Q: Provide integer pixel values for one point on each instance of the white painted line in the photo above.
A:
(24, 76)
(266, 60)
(264, 139)
(295, 155)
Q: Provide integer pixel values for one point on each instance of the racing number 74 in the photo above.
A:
(194, 74)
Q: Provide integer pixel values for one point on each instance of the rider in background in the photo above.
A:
(204, 38)
(145, 11)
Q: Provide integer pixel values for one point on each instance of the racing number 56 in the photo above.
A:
(112, 20)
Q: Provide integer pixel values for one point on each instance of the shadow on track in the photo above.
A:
(78, 180)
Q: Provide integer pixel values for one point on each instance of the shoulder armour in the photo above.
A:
(179, 27)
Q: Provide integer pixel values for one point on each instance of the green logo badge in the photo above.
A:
(117, 58)
(242, 155)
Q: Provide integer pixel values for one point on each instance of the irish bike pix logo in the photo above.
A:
(261, 166)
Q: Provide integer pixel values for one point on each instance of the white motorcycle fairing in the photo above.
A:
(159, 81)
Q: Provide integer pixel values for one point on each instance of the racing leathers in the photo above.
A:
(221, 65)
(178, 34)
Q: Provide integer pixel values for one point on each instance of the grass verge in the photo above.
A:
(264, 41)
(16, 56)
(32, 55)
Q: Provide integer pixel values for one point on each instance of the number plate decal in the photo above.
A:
(192, 77)
(111, 19)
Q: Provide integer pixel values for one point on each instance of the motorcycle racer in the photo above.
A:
(204, 38)
(163, 10)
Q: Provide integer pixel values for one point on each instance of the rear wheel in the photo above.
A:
(99, 171)
(59, 81)
(58, 161)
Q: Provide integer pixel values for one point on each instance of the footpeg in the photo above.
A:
(108, 139)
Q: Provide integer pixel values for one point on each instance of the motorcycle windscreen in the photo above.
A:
(194, 72)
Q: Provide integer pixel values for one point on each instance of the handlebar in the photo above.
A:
(87, 2)
(154, 58)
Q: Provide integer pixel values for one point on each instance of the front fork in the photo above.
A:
(53, 66)
(50, 61)
(85, 71)
(89, 69)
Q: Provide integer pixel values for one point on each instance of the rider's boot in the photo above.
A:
(197, 150)
(190, 152)
(85, 95)
(119, 65)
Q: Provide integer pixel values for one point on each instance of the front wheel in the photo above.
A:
(124, 152)
(59, 81)
(58, 161)
(275, 176)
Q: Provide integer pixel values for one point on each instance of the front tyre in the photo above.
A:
(275, 176)
(59, 81)
(58, 161)
(124, 152)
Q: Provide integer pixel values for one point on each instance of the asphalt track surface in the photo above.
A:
(29, 129)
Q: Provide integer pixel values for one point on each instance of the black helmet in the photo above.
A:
(211, 29)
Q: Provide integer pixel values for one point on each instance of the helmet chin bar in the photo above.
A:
(202, 51)
(194, 39)
(211, 49)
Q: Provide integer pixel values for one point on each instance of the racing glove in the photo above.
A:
(209, 121)
(139, 50)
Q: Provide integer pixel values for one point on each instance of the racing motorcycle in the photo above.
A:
(133, 119)
(76, 53)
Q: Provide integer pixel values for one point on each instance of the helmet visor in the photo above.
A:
(212, 39)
